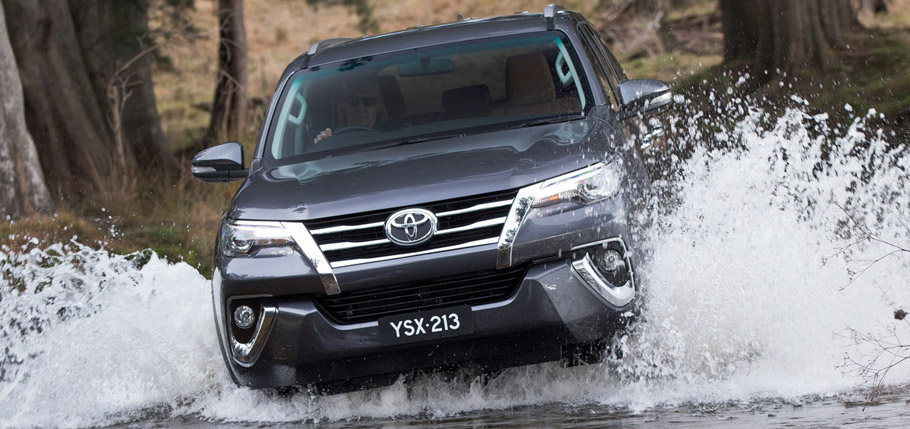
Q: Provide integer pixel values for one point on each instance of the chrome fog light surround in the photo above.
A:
(245, 354)
(585, 269)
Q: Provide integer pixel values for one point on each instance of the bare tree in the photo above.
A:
(888, 352)
(21, 179)
(130, 67)
(229, 107)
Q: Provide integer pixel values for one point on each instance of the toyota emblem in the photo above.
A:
(410, 227)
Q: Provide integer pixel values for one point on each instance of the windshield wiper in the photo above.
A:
(543, 121)
(419, 139)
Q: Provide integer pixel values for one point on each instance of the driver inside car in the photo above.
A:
(360, 105)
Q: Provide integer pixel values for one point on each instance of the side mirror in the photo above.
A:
(644, 95)
(222, 163)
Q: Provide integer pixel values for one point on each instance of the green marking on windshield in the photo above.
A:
(285, 116)
(565, 54)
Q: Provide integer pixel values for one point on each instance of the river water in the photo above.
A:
(770, 270)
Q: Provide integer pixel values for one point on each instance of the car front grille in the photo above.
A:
(464, 222)
(468, 289)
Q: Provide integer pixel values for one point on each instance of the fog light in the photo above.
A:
(609, 261)
(244, 317)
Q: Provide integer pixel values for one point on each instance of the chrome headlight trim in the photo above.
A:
(298, 234)
(521, 206)
(312, 252)
(524, 204)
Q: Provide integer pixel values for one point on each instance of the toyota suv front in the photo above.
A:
(441, 196)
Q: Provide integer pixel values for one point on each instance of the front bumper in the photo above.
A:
(552, 310)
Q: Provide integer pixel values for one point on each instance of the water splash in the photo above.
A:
(94, 338)
(758, 259)
(767, 257)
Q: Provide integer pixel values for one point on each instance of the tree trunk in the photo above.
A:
(783, 35)
(87, 83)
(740, 23)
(229, 107)
(61, 108)
(24, 191)
(114, 39)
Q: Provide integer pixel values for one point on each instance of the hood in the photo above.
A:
(417, 174)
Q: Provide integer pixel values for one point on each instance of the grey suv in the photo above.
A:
(442, 196)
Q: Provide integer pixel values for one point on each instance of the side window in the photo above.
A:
(616, 66)
(614, 73)
(602, 73)
(604, 64)
(618, 73)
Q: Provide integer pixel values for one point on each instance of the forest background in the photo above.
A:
(111, 99)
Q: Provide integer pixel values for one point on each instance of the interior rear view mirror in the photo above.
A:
(425, 67)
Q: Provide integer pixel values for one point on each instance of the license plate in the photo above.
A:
(426, 325)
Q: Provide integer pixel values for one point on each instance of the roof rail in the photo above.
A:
(549, 12)
(315, 47)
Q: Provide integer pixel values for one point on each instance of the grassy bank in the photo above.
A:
(179, 225)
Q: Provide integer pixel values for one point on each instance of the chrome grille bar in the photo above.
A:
(342, 264)
(475, 225)
(346, 228)
(355, 244)
(476, 208)
(352, 245)
(361, 237)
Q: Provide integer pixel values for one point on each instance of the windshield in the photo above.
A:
(423, 94)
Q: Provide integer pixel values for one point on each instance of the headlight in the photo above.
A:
(595, 183)
(239, 238)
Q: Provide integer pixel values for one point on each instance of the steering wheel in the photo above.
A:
(352, 128)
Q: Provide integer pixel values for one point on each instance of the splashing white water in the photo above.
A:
(753, 275)
(767, 260)
(94, 337)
